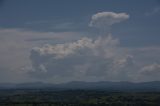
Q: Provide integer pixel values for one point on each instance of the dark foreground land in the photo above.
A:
(77, 98)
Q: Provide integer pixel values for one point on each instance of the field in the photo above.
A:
(77, 98)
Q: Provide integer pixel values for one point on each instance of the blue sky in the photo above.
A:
(27, 26)
(43, 15)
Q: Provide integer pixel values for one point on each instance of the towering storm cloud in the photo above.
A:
(89, 59)
(80, 59)
(99, 58)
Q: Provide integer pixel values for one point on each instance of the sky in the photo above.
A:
(58, 41)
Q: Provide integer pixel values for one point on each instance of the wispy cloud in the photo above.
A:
(154, 11)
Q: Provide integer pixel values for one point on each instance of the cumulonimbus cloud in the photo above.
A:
(80, 59)
(84, 58)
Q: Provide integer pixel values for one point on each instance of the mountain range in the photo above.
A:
(80, 85)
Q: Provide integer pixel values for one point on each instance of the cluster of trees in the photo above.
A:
(78, 98)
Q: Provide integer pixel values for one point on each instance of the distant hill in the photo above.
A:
(77, 85)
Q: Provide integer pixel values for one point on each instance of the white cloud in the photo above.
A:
(82, 59)
(107, 19)
(15, 45)
(151, 69)
(149, 72)
(64, 50)
(97, 47)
